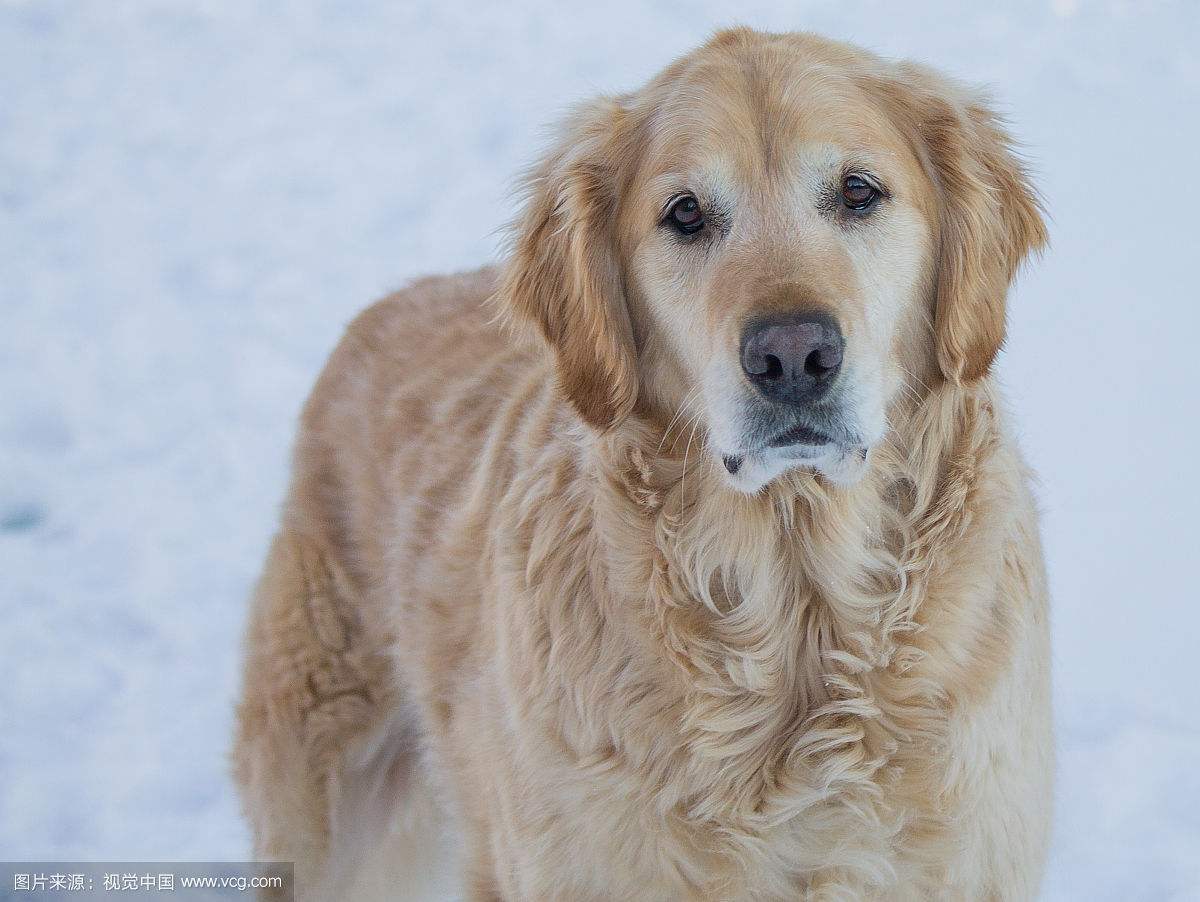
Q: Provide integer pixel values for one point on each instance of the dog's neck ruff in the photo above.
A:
(792, 614)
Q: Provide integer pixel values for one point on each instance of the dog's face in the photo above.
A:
(780, 258)
(768, 246)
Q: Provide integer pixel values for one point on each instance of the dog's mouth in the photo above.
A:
(799, 435)
(798, 442)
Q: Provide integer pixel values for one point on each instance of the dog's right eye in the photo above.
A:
(685, 215)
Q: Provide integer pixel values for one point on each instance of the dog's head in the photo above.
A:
(770, 243)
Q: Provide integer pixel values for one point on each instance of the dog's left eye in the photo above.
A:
(857, 193)
(685, 215)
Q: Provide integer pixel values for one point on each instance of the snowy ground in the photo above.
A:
(195, 197)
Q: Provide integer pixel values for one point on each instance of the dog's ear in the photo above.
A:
(989, 219)
(563, 274)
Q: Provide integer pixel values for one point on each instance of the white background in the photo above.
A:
(195, 197)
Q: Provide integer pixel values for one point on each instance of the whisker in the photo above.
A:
(691, 396)
(686, 450)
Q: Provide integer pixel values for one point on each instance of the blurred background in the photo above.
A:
(196, 197)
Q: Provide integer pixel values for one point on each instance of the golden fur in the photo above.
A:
(515, 599)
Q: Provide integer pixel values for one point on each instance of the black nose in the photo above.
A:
(792, 358)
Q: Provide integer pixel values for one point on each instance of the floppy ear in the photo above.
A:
(989, 218)
(563, 274)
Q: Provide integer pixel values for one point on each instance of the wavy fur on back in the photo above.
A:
(509, 601)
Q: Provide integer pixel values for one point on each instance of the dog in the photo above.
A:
(687, 555)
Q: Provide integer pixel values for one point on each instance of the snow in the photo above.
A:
(195, 197)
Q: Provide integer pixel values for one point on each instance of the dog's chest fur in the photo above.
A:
(738, 704)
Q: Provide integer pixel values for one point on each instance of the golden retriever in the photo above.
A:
(688, 556)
